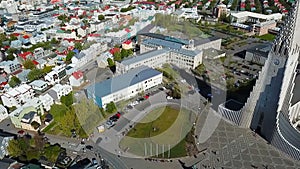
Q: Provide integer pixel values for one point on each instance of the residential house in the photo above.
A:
(127, 45)
(11, 67)
(56, 75)
(3, 113)
(76, 79)
(47, 101)
(102, 59)
(24, 116)
(89, 54)
(59, 90)
(40, 63)
(3, 81)
(23, 75)
(38, 38)
(16, 44)
(17, 96)
(26, 56)
(5, 137)
(38, 53)
(39, 85)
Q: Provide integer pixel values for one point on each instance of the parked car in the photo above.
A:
(89, 147)
(109, 124)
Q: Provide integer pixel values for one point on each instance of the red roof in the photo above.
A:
(26, 37)
(145, 3)
(127, 42)
(78, 74)
(94, 35)
(35, 62)
(24, 55)
(114, 50)
(16, 34)
(127, 30)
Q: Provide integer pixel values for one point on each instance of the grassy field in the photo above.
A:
(156, 122)
(162, 127)
(267, 37)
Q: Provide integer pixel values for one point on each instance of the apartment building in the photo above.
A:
(17, 96)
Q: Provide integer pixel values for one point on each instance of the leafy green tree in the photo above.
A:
(47, 69)
(110, 62)
(35, 74)
(111, 107)
(28, 64)
(54, 41)
(52, 152)
(10, 56)
(101, 17)
(68, 99)
(32, 154)
(78, 46)
(14, 81)
(70, 55)
(14, 148)
(117, 56)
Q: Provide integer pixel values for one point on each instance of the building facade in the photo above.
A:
(124, 86)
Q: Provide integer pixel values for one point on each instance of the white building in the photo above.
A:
(56, 75)
(187, 59)
(3, 113)
(17, 96)
(89, 54)
(102, 59)
(124, 86)
(76, 79)
(47, 101)
(246, 16)
(10, 66)
(187, 13)
(59, 90)
(39, 85)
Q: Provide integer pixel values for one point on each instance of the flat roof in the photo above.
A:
(123, 81)
(166, 38)
(144, 56)
(164, 43)
(256, 15)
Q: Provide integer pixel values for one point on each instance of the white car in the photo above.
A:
(169, 97)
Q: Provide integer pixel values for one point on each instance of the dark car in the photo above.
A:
(89, 147)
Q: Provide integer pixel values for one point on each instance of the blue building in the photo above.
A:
(124, 86)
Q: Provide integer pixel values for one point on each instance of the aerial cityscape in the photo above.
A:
(149, 84)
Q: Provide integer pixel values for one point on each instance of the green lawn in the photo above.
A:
(148, 128)
(267, 37)
(171, 127)
(177, 151)
(50, 126)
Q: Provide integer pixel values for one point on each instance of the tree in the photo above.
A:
(54, 41)
(101, 17)
(110, 62)
(78, 46)
(70, 55)
(14, 148)
(14, 81)
(111, 107)
(117, 56)
(124, 53)
(35, 74)
(68, 99)
(10, 56)
(28, 64)
(47, 69)
(51, 152)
